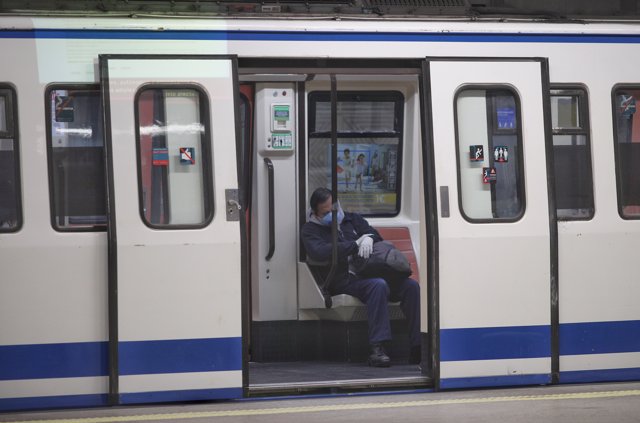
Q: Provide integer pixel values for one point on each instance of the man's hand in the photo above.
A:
(365, 245)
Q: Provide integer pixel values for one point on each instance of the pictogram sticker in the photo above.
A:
(187, 155)
(627, 105)
(489, 174)
(64, 109)
(501, 154)
(476, 153)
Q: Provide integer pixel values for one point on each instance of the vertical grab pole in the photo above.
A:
(334, 162)
(334, 190)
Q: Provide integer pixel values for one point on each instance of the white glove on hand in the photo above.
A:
(362, 238)
(365, 244)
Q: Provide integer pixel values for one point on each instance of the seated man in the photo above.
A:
(356, 237)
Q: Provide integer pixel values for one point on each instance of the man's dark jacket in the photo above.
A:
(317, 242)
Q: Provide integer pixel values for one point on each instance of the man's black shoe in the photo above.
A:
(415, 356)
(378, 357)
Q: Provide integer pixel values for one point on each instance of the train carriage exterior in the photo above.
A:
(155, 173)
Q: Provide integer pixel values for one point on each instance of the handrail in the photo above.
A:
(272, 237)
(334, 190)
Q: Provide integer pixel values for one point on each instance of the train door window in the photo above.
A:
(489, 144)
(75, 151)
(572, 154)
(173, 156)
(370, 131)
(627, 135)
(10, 205)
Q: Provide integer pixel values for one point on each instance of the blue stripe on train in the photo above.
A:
(225, 35)
(604, 375)
(490, 381)
(600, 337)
(61, 401)
(534, 341)
(85, 359)
(495, 343)
(180, 356)
(42, 361)
(185, 395)
(96, 400)
(581, 376)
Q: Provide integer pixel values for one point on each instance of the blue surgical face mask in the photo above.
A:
(326, 220)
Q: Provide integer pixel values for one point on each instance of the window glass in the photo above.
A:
(76, 158)
(489, 142)
(3, 114)
(10, 209)
(173, 148)
(628, 150)
(572, 154)
(370, 134)
(565, 110)
(357, 116)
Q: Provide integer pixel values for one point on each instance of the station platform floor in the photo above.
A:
(592, 403)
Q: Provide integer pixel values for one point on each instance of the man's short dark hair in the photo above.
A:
(320, 195)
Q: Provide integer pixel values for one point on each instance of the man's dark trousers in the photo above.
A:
(376, 294)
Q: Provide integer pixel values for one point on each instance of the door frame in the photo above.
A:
(432, 209)
(252, 70)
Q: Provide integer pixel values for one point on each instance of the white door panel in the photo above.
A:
(494, 275)
(178, 273)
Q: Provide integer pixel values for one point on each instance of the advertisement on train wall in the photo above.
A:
(367, 177)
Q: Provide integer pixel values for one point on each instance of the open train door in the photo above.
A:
(175, 266)
(494, 280)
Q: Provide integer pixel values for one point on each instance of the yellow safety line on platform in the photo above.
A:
(335, 407)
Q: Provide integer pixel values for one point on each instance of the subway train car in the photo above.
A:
(155, 174)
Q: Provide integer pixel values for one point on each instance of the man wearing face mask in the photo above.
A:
(356, 238)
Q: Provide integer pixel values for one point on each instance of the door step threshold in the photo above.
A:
(335, 386)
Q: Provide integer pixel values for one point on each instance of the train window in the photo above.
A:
(75, 151)
(489, 143)
(3, 114)
(572, 154)
(10, 206)
(627, 150)
(370, 130)
(174, 156)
